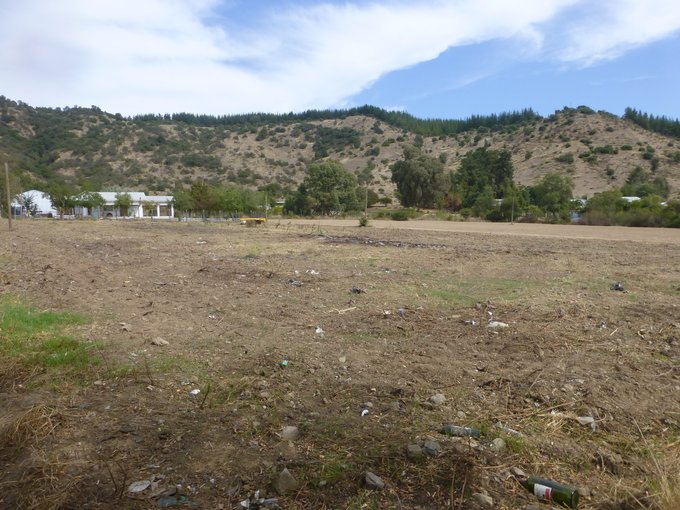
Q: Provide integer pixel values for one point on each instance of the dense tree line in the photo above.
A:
(481, 186)
(663, 125)
(204, 200)
(425, 127)
(611, 208)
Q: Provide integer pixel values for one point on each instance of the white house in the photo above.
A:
(33, 201)
(142, 206)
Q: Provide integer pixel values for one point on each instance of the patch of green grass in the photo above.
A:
(167, 363)
(37, 338)
(335, 468)
(18, 321)
(516, 444)
(468, 292)
(64, 351)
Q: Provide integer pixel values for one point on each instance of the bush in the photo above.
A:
(400, 215)
(363, 221)
(565, 158)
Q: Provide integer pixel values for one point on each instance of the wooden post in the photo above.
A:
(9, 197)
(366, 202)
(512, 214)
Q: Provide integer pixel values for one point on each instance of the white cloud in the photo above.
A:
(614, 27)
(135, 56)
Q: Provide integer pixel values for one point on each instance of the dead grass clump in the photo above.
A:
(44, 484)
(13, 374)
(30, 426)
(666, 482)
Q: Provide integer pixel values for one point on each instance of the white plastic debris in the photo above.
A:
(319, 331)
(497, 325)
(195, 392)
(364, 412)
(140, 486)
(508, 430)
(587, 420)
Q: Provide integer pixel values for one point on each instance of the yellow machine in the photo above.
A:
(250, 221)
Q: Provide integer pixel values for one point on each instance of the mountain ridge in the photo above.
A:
(92, 148)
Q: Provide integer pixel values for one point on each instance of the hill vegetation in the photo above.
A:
(87, 149)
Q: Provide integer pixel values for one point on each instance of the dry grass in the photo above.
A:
(43, 482)
(665, 484)
(29, 427)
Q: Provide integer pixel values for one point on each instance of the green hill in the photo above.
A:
(102, 151)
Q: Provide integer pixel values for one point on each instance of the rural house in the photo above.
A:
(141, 206)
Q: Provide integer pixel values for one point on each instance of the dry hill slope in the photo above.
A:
(598, 150)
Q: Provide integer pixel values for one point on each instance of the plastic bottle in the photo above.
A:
(549, 490)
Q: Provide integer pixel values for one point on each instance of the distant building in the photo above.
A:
(142, 206)
(33, 202)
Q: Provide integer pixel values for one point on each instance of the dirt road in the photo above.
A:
(650, 235)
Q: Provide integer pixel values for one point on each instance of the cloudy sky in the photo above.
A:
(433, 59)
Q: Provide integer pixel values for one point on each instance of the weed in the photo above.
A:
(516, 444)
(666, 483)
(334, 469)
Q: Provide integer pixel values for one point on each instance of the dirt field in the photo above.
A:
(367, 340)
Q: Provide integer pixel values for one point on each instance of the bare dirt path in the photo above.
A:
(650, 235)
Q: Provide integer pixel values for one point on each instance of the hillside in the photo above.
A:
(158, 153)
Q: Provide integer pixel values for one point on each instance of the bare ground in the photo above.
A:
(234, 302)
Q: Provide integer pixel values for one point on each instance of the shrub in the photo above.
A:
(400, 215)
(565, 158)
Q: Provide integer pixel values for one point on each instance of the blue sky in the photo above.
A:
(436, 59)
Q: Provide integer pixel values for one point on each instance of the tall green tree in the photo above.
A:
(420, 179)
(123, 202)
(606, 202)
(641, 184)
(182, 202)
(62, 197)
(483, 169)
(204, 198)
(553, 194)
(91, 200)
(328, 189)
(230, 199)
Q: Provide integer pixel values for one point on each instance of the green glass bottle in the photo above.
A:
(549, 490)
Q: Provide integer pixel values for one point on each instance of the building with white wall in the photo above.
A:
(141, 206)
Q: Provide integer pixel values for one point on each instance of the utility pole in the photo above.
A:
(512, 214)
(9, 199)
